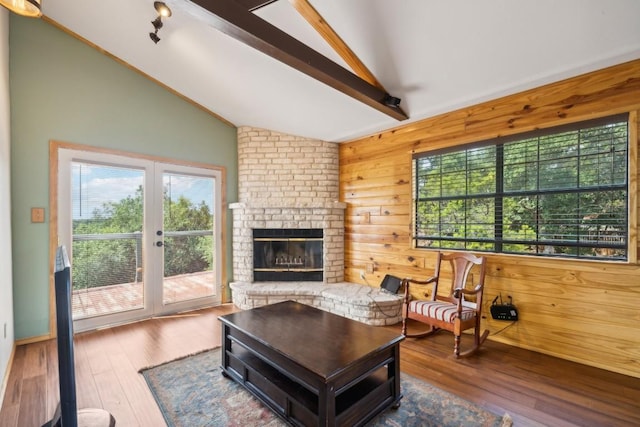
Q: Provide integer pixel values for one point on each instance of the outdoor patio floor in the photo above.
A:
(129, 296)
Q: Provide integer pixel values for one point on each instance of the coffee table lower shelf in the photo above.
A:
(355, 404)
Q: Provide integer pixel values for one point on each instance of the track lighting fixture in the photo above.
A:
(30, 8)
(163, 12)
(391, 101)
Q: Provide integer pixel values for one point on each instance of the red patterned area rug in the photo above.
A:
(191, 392)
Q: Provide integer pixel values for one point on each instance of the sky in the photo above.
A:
(93, 185)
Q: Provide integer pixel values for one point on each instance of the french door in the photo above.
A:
(143, 236)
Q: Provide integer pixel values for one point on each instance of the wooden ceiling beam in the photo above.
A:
(252, 5)
(236, 21)
(323, 28)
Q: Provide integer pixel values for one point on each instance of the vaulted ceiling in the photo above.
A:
(435, 55)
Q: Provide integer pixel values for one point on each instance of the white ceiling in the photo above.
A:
(436, 55)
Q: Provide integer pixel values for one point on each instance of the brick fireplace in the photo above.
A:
(290, 184)
(287, 182)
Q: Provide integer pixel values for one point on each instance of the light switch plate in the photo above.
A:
(37, 214)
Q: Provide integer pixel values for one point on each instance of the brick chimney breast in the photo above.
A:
(287, 181)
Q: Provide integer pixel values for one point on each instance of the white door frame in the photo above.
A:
(153, 199)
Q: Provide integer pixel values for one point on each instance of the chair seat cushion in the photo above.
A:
(440, 310)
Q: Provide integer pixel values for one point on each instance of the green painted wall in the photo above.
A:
(64, 90)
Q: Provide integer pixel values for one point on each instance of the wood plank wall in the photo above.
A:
(583, 311)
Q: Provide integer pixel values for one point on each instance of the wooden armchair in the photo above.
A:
(456, 311)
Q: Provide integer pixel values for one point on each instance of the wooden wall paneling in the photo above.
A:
(393, 200)
(448, 123)
(369, 219)
(580, 310)
(533, 336)
(566, 100)
(381, 248)
(381, 215)
(380, 188)
(391, 191)
(354, 172)
(393, 228)
(391, 260)
(355, 266)
(537, 303)
(384, 238)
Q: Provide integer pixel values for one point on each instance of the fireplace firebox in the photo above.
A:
(287, 254)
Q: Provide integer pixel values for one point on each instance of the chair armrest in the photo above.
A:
(458, 291)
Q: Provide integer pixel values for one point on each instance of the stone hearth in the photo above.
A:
(358, 302)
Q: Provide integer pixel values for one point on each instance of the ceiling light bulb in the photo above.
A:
(29, 8)
(162, 9)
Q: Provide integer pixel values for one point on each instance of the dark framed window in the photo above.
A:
(558, 192)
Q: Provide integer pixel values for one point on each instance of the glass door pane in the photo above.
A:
(143, 236)
(107, 239)
(188, 233)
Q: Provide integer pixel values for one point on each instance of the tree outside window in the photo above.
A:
(561, 192)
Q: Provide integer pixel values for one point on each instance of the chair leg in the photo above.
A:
(405, 315)
(478, 340)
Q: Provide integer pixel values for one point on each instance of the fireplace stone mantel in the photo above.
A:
(277, 204)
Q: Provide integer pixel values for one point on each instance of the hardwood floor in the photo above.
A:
(533, 388)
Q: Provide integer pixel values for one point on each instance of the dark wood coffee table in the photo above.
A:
(311, 367)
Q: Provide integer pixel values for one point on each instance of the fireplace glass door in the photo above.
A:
(287, 255)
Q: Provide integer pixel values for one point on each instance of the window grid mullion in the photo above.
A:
(537, 222)
(499, 198)
(466, 192)
(574, 221)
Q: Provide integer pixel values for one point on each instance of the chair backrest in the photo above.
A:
(462, 265)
